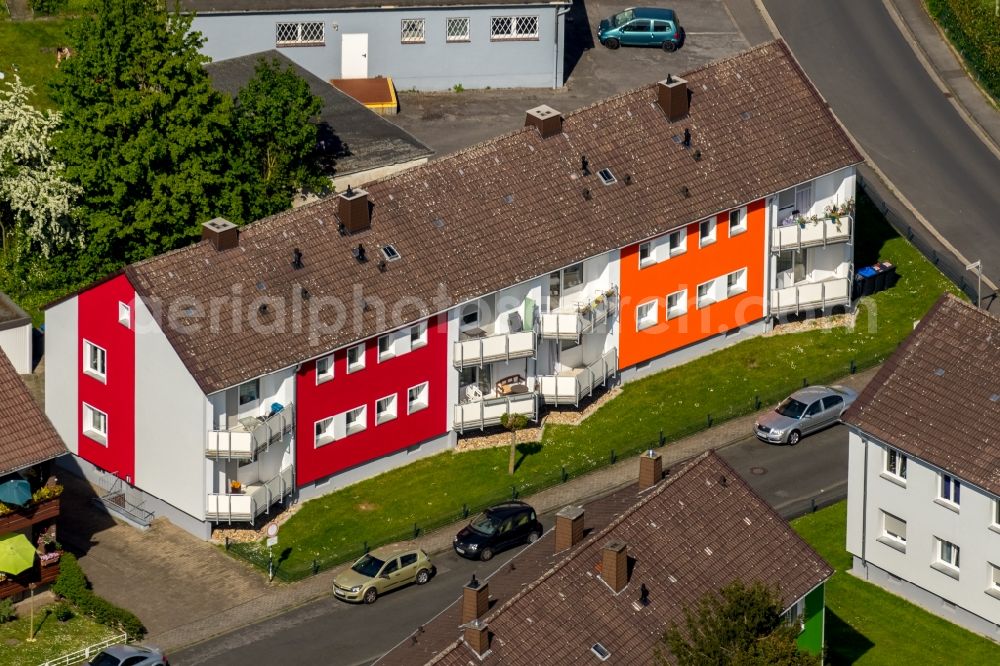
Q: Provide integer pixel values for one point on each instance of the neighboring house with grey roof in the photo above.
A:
(325, 344)
(15, 335)
(609, 596)
(923, 496)
(357, 144)
(423, 44)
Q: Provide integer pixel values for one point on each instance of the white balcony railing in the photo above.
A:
(245, 442)
(811, 296)
(256, 499)
(570, 387)
(502, 347)
(488, 411)
(570, 322)
(809, 234)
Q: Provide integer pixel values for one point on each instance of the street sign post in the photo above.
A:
(272, 541)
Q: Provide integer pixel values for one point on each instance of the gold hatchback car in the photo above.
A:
(382, 570)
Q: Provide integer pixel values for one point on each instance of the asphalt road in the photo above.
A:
(339, 634)
(861, 64)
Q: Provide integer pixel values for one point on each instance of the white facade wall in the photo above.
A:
(172, 421)
(871, 491)
(61, 370)
(15, 342)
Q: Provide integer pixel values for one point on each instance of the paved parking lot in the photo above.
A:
(448, 121)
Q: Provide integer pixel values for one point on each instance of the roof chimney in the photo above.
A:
(223, 234)
(353, 210)
(614, 565)
(650, 469)
(545, 119)
(672, 96)
(477, 635)
(475, 600)
(569, 527)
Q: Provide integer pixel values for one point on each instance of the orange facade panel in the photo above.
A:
(663, 271)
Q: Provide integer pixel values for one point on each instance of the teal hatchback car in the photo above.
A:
(642, 26)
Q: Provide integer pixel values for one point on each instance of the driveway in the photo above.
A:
(449, 121)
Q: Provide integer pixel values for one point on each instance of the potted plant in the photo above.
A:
(235, 487)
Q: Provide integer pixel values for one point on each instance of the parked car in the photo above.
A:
(642, 26)
(382, 570)
(129, 655)
(498, 528)
(803, 412)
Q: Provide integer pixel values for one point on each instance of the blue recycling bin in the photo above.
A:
(864, 281)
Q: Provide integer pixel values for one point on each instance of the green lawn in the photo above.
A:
(431, 492)
(867, 625)
(53, 638)
(31, 47)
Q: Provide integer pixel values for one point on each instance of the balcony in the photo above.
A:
(570, 322)
(811, 296)
(22, 517)
(502, 347)
(37, 574)
(487, 412)
(254, 500)
(251, 435)
(812, 234)
(571, 386)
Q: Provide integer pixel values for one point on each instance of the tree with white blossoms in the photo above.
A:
(35, 200)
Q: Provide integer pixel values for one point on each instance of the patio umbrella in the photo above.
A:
(15, 491)
(16, 554)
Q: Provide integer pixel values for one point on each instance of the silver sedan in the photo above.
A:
(805, 411)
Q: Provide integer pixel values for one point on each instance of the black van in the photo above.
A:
(498, 528)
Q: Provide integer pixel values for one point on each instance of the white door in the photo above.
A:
(354, 56)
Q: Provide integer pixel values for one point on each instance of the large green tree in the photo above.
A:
(145, 135)
(273, 125)
(741, 625)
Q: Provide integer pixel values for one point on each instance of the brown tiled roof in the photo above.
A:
(502, 212)
(28, 437)
(11, 314)
(938, 396)
(690, 536)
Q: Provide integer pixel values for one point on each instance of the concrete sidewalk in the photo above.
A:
(188, 591)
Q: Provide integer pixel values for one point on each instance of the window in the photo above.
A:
(893, 528)
(470, 315)
(566, 345)
(412, 31)
(706, 232)
(513, 27)
(677, 304)
(418, 335)
(124, 315)
(661, 26)
(390, 567)
(354, 420)
(385, 409)
(385, 350)
(416, 398)
(677, 242)
(706, 294)
(814, 409)
(737, 221)
(356, 358)
(408, 560)
(645, 315)
(637, 26)
(324, 431)
(996, 513)
(299, 34)
(895, 463)
(646, 254)
(95, 361)
(95, 424)
(948, 553)
(249, 392)
(736, 282)
(951, 489)
(324, 369)
(804, 198)
(796, 615)
(832, 402)
(457, 29)
(572, 277)
(994, 577)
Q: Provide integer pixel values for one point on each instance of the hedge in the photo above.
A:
(974, 29)
(72, 585)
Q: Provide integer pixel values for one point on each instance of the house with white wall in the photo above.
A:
(923, 495)
(16, 335)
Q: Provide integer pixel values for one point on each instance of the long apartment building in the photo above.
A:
(325, 344)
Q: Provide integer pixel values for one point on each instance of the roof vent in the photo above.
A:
(438, 223)
(939, 372)
(745, 115)
(685, 192)
(584, 165)
(607, 177)
(602, 652)
(297, 259)
(223, 234)
(390, 253)
(545, 119)
(359, 253)
(353, 210)
(686, 142)
(628, 179)
(697, 156)
(305, 294)
(673, 98)
(586, 194)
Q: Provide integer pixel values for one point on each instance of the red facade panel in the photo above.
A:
(347, 391)
(114, 393)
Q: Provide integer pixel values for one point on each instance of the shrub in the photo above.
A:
(7, 610)
(975, 31)
(48, 7)
(62, 611)
(72, 585)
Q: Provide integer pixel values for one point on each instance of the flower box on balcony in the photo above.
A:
(20, 518)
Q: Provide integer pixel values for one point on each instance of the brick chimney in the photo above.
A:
(650, 469)
(223, 234)
(475, 600)
(672, 97)
(352, 208)
(545, 119)
(477, 635)
(614, 565)
(569, 527)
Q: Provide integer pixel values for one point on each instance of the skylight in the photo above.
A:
(607, 177)
(390, 253)
(602, 652)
